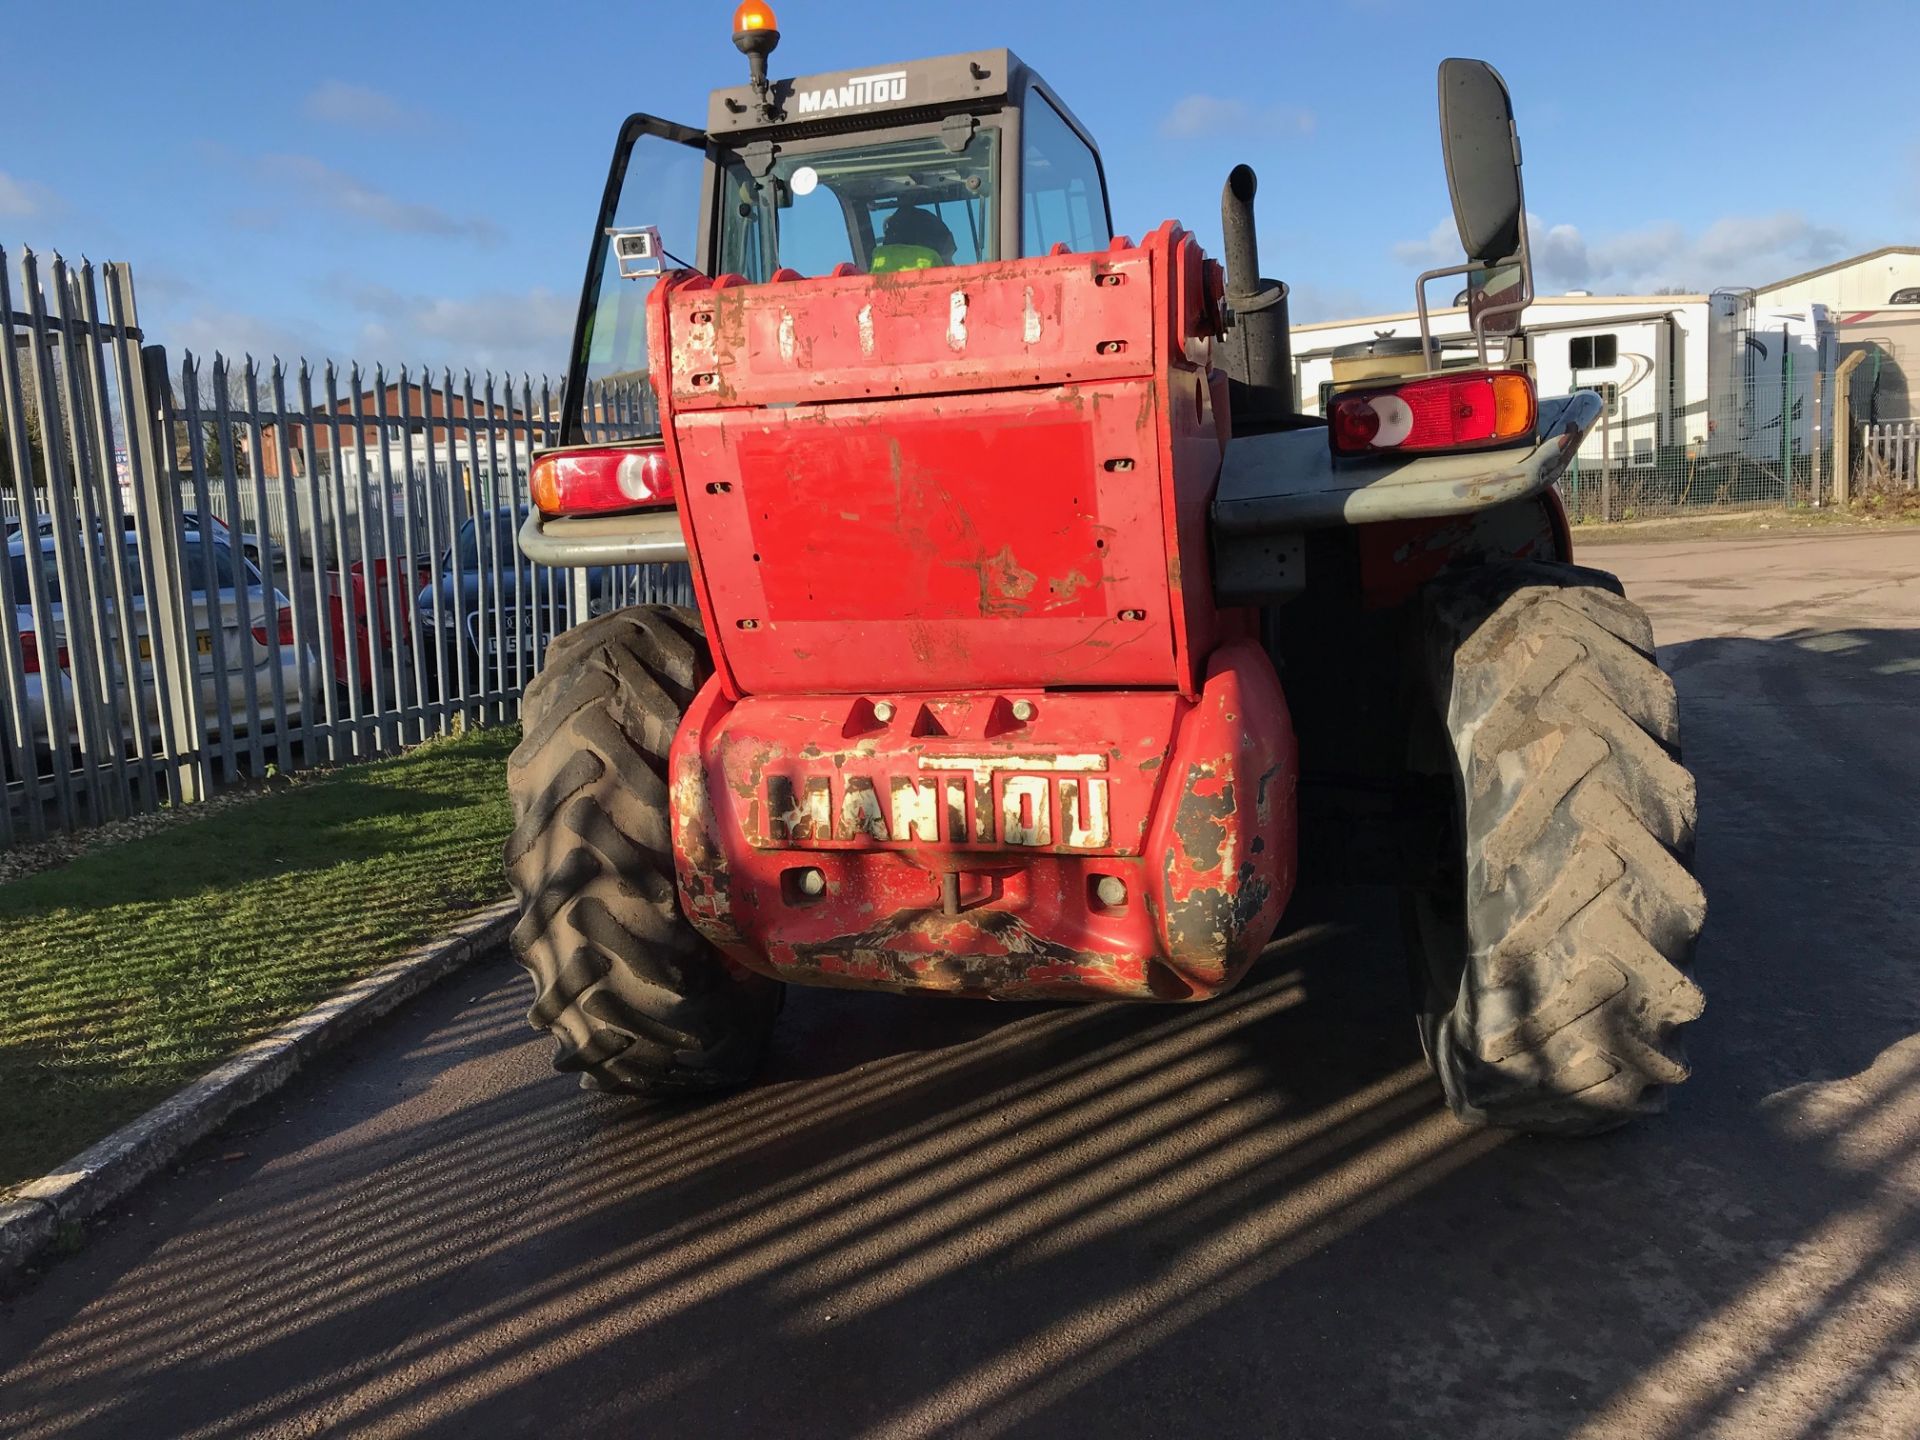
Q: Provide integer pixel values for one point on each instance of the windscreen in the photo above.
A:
(912, 204)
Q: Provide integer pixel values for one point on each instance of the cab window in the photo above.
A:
(897, 205)
(1062, 201)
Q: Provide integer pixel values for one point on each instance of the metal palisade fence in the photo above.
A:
(218, 571)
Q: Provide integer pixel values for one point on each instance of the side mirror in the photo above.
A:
(1482, 151)
(1483, 159)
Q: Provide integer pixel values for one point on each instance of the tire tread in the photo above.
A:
(637, 1001)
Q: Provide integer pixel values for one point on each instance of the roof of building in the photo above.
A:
(1841, 265)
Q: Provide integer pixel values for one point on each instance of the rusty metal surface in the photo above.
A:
(1192, 810)
(989, 475)
(1032, 322)
(977, 724)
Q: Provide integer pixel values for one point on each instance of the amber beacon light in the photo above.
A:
(753, 16)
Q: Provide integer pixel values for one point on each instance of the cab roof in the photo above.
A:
(982, 78)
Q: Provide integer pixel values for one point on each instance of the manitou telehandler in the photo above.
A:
(1039, 637)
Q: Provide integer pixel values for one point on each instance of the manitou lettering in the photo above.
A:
(1036, 802)
(855, 93)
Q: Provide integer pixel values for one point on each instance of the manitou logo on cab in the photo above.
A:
(1056, 801)
(857, 91)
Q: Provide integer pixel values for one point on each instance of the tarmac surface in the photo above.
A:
(1251, 1218)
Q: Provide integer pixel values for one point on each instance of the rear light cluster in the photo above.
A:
(599, 482)
(30, 654)
(1468, 411)
(286, 630)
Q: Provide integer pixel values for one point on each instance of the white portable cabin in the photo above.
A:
(1774, 367)
(1683, 375)
(1647, 354)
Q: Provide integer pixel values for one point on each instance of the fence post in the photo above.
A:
(1819, 384)
(1843, 427)
(1606, 460)
(157, 508)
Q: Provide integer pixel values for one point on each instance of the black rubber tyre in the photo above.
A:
(1552, 953)
(637, 1001)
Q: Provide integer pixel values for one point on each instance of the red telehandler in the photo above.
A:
(1040, 638)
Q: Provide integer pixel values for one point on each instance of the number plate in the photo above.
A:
(203, 642)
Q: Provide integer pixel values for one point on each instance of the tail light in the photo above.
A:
(30, 654)
(1472, 410)
(597, 482)
(285, 636)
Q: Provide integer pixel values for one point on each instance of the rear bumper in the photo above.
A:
(649, 537)
(971, 860)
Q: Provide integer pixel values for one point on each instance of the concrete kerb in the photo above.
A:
(111, 1169)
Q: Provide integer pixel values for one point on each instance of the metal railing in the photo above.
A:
(230, 570)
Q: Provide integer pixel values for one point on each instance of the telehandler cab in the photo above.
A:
(1040, 638)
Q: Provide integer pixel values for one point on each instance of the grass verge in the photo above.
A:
(135, 969)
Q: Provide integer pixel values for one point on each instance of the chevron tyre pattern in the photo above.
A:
(1555, 955)
(636, 1001)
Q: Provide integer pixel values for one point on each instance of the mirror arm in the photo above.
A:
(1428, 355)
(1523, 258)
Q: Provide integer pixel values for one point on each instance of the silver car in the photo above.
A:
(247, 655)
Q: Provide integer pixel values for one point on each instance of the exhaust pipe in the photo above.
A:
(1256, 351)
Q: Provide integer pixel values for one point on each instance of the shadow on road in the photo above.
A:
(1246, 1218)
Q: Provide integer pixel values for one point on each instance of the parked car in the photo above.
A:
(531, 604)
(249, 653)
(189, 519)
(360, 611)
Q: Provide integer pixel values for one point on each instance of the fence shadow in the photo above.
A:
(1245, 1218)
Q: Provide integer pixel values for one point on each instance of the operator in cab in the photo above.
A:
(913, 239)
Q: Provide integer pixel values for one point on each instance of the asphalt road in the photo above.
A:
(1245, 1219)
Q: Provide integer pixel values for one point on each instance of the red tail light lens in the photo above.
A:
(30, 655)
(1469, 411)
(599, 482)
(285, 636)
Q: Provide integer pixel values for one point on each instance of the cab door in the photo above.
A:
(656, 201)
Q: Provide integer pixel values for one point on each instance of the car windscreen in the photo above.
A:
(467, 557)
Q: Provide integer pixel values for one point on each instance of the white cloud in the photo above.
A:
(1197, 116)
(207, 330)
(20, 199)
(503, 332)
(1439, 246)
(340, 102)
(1736, 250)
(328, 189)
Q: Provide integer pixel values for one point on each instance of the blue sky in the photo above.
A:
(384, 182)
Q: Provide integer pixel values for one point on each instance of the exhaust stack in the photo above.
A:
(1256, 352)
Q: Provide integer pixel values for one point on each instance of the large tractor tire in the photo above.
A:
(1551, 954)
(637, 1001)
